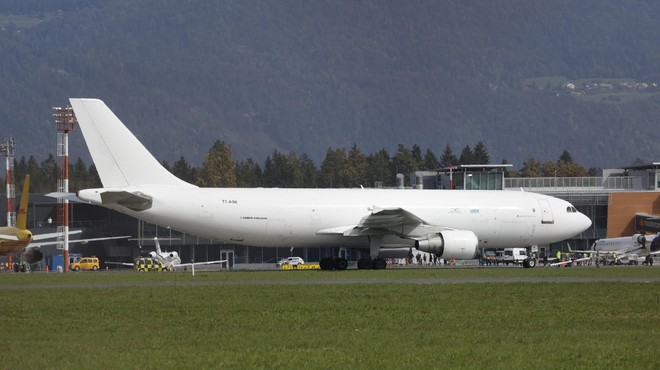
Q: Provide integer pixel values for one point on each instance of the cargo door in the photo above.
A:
(546, 212)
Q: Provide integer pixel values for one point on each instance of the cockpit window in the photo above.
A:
(571, 210)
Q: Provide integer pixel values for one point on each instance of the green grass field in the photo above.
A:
(61, 321)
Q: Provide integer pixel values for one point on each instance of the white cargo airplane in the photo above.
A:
(382, 222)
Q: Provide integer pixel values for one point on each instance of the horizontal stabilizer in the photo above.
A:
(71, 197)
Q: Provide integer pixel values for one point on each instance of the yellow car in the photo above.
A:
(149, 264)
(86, 263)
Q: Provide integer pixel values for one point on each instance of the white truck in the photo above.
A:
(514, 255)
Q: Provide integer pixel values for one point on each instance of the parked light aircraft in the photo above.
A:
(382, 222)
(15, 240)
(170, 259)
(627, 248)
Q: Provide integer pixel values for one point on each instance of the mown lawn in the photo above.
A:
(360, 325)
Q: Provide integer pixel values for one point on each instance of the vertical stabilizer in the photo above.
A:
(21, 219)
(120, 158)
(157, 246)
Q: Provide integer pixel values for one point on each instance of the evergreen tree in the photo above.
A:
(481, 155)
(248, 174)
(565, 157)
(46, 180)
(467, 156)
(403, 161)
(183, 170)
(332, 168)
(431, 162)
(219, 168)
(308, 171)
(448, 158)
(418, 161)
(378, 169)
(278, 171)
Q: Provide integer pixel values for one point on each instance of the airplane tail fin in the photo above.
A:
(21, 218)
(120, 158)
(157, 246)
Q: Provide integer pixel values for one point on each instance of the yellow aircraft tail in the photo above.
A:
(21, 219)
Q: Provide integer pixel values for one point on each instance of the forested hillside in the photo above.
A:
(304, 76)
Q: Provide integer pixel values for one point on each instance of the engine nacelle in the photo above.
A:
(394, 252)
(33, 255)
(458, 244)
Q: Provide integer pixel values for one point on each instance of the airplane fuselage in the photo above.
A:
(293, 217)
(11, 247)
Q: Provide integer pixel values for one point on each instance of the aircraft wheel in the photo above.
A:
(364, 264)
(341, 264)
(379, 264)
(326, 264)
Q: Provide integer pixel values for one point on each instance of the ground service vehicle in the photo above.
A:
(86, 263)
(149, 264)
(514, 255)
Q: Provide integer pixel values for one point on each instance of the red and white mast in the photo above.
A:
(65, 121)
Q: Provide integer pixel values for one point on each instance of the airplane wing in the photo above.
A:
(380, 221)
(199, 263)
(83, 241)
(120, 263)
(52, 235)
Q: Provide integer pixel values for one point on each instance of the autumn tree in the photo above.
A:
(219, 168)
(531, 168)
(355, 168)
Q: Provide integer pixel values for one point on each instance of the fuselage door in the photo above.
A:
(546, 212)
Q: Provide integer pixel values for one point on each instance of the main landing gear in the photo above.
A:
(333, 263)
(339, 264)
(371, 264)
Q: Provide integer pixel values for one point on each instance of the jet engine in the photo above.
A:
(458, 244)
(33, 255)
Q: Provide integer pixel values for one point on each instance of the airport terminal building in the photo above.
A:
(619, 202)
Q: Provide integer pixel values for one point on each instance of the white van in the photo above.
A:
(514, 255)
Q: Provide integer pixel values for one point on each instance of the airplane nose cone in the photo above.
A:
(583, 223)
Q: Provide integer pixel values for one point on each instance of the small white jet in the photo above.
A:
(627, 249)
(170, 259)
(381, 222)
